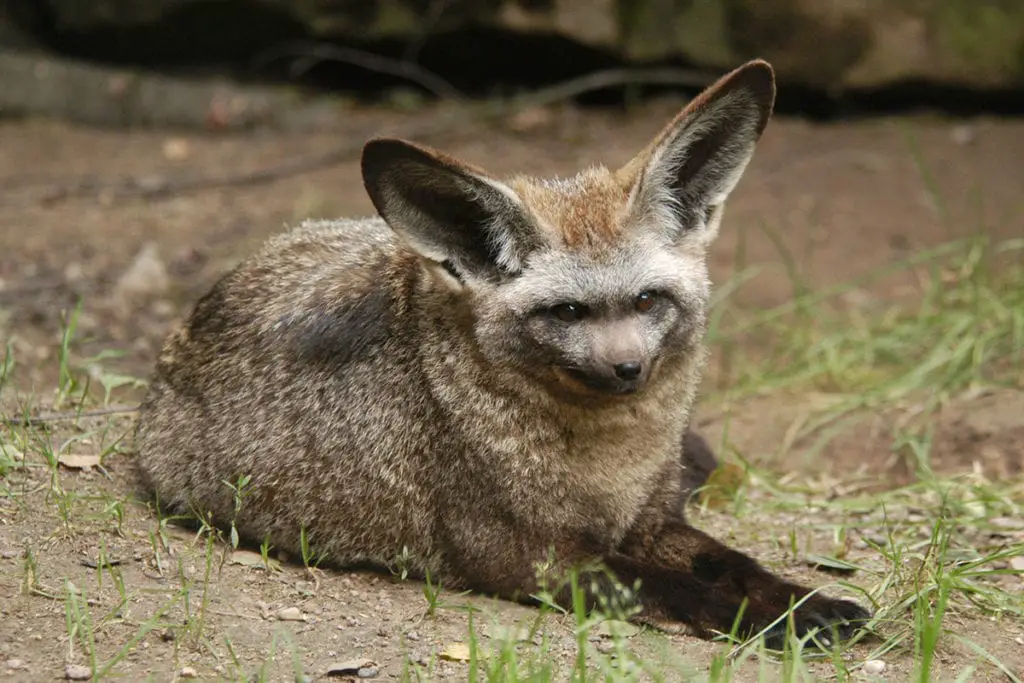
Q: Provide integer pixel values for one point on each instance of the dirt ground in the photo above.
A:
(842, 199)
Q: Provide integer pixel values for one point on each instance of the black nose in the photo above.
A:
(628, 370)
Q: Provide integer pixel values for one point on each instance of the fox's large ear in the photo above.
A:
(448, 211)
(681, 180)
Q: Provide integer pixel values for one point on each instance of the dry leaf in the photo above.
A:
(79, 462)
(722, 485)
(830, 565)
(455, 652)
(248, 558)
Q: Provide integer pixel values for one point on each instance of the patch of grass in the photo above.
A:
(958, 329)
(239, 491)
(195, 624)
(622, 652)
(432, 593)
(269, 563)
(930, 555)
(966, 331)
(7, 366)
(78, 620)
(311, 559)
(68, 382)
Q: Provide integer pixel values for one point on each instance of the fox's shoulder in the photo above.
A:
(325, 290)
(329, 243)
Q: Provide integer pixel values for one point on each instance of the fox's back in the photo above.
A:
(295, 370)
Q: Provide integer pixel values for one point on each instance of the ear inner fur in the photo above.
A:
(448, 210)
(697, 159)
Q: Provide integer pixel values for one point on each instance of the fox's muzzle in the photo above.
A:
(622, 378)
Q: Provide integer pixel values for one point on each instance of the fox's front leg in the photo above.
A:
(687, 575)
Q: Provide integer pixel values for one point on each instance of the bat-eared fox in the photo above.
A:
(492, 381)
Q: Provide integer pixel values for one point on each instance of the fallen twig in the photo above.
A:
(445, 122)
(26, 421)
(306, 55)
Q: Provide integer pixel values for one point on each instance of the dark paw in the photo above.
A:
(823, 619)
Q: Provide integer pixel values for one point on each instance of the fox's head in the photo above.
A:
(591, 284)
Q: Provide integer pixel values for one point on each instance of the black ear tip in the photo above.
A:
(380, 151)
(760, 66)
(759, 76)
(755, 71)
(380, 154)
(372, 150)
(376, 148)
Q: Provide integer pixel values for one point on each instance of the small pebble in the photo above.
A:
(874, 667)
(187, 672)
(175, 149)
(77, 672)
(289, 614)
(963, 135)
(367, 672)
(15, 664)
(611, 628)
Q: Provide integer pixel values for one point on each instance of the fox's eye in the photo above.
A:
(569, 312)
(645, 301)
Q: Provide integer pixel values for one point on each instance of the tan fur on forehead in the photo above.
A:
(587, 210)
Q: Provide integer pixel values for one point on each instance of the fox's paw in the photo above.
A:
(821, 618)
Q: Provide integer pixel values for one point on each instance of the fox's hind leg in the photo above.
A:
(689, 576)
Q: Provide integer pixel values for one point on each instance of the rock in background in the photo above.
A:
(831, 46)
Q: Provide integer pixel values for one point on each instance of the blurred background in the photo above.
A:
(145, 147)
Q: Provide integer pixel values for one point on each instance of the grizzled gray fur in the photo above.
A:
(491, 374)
